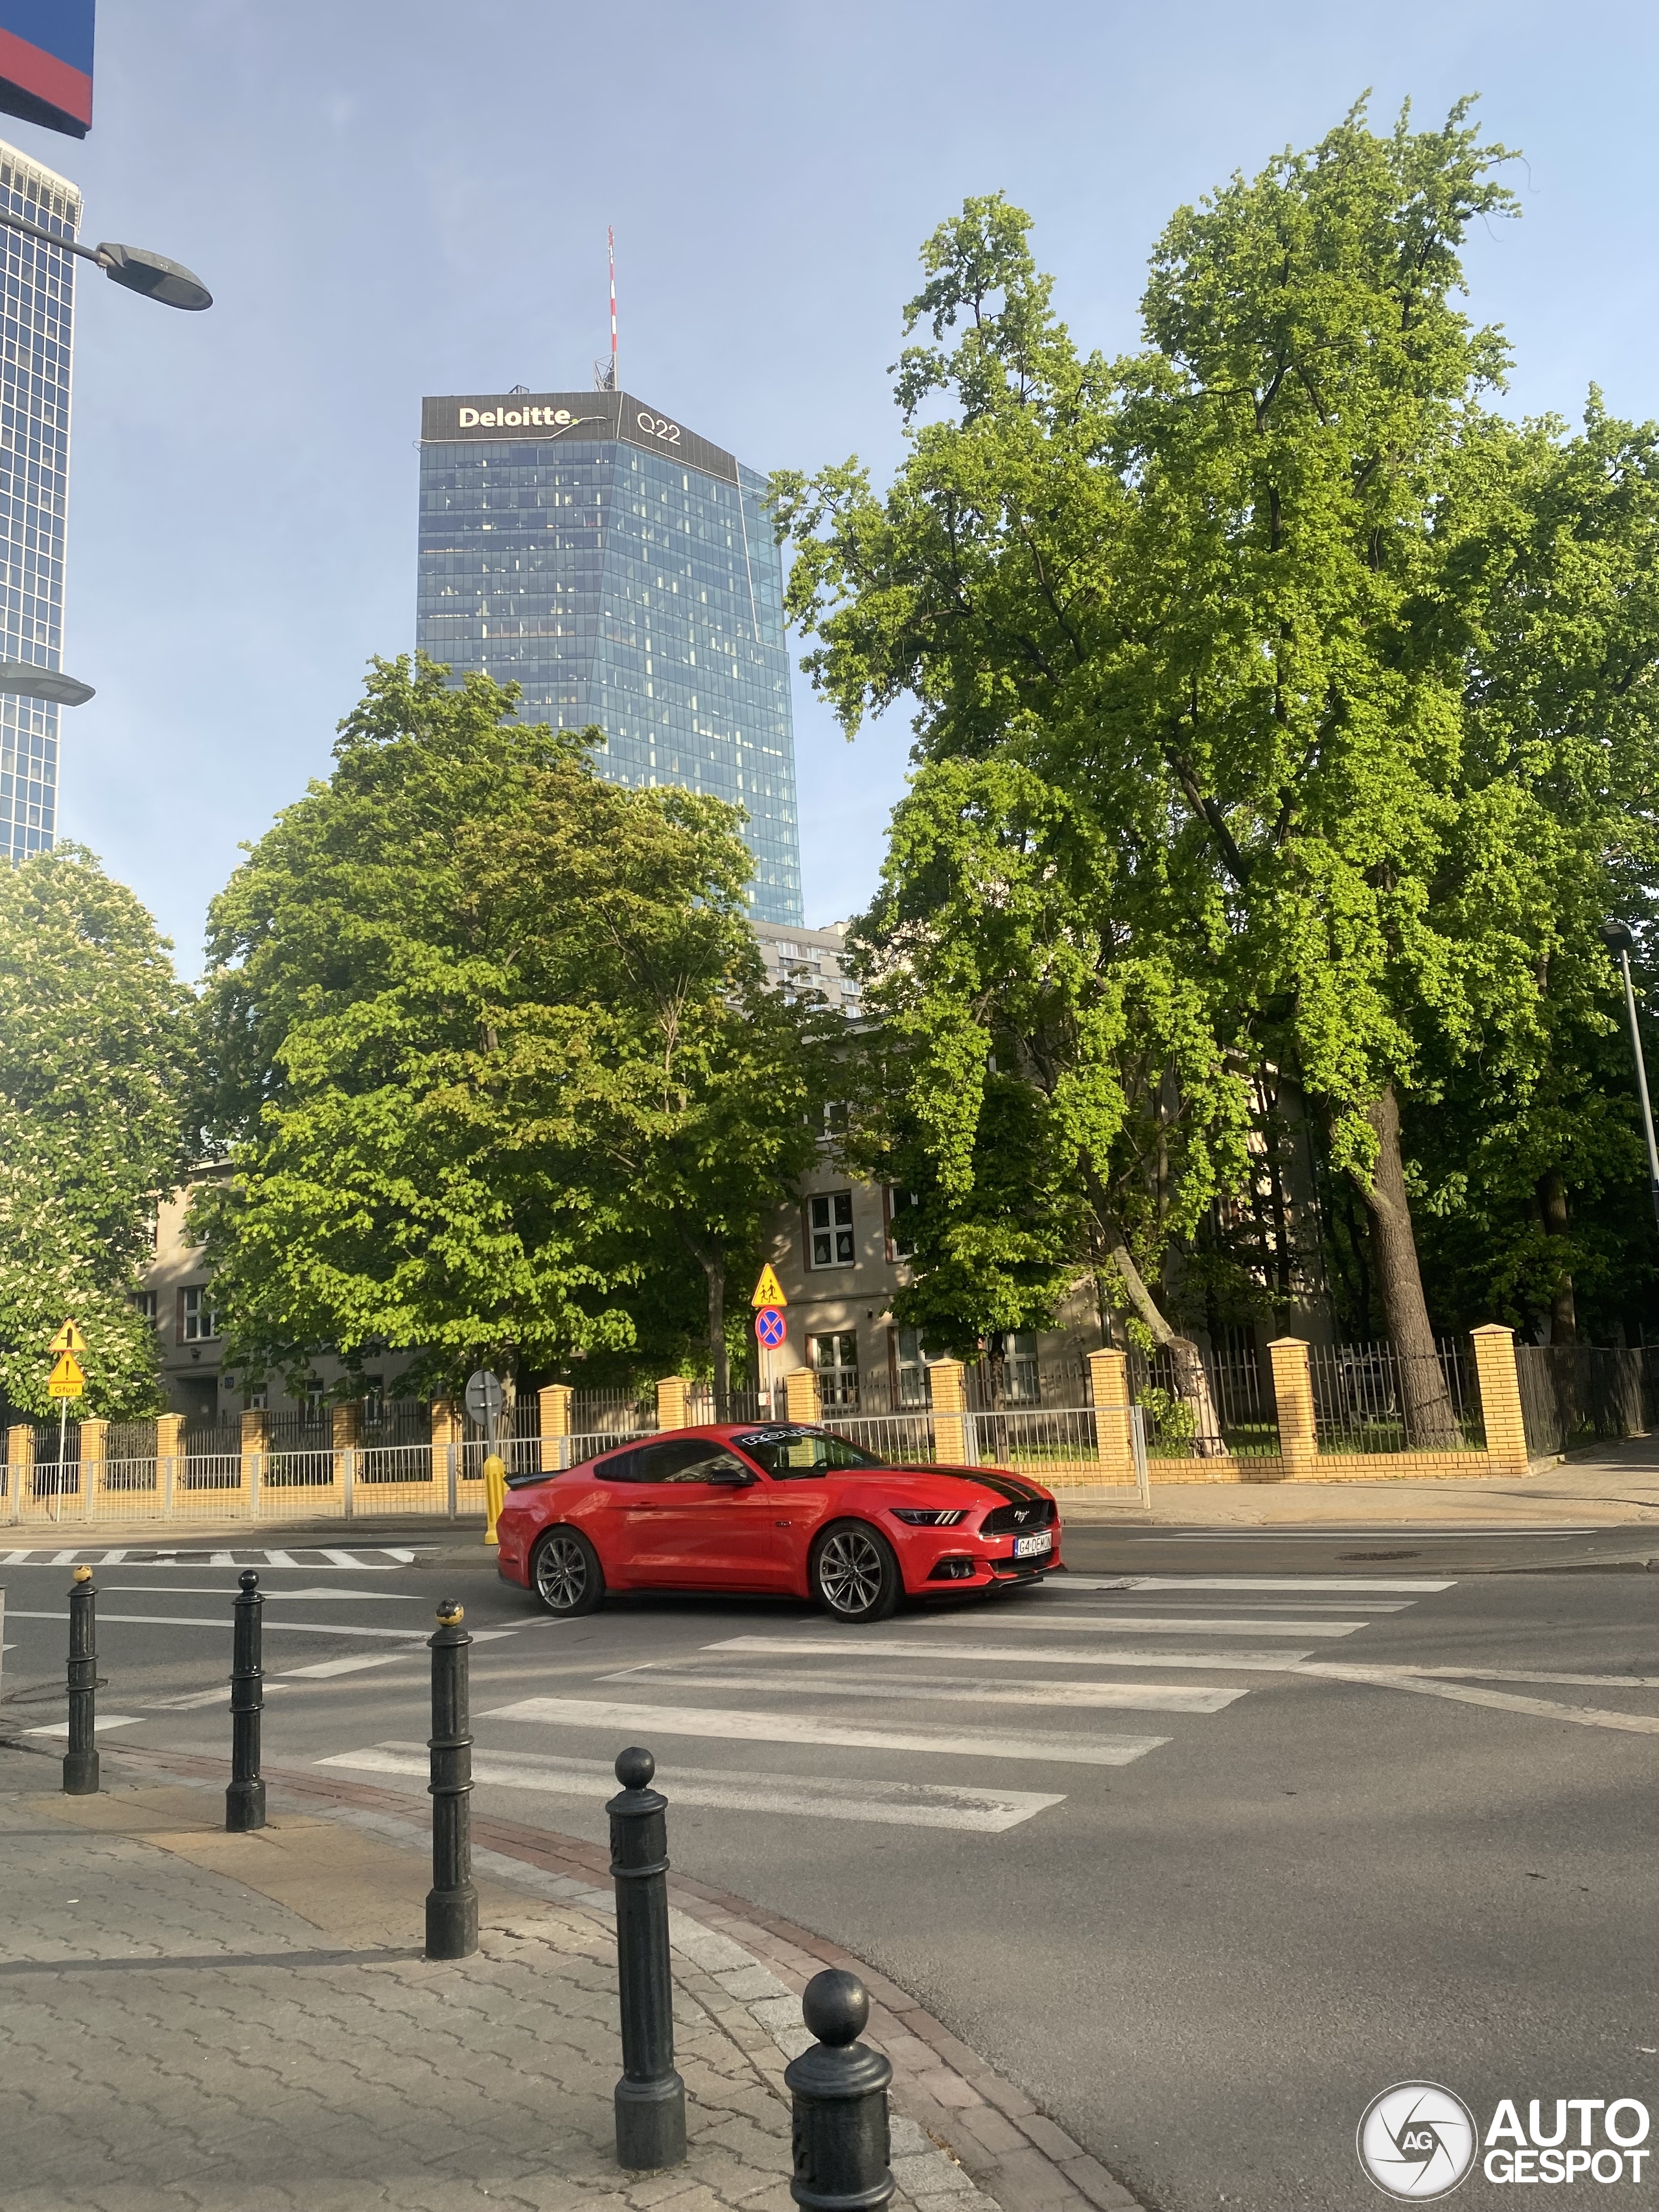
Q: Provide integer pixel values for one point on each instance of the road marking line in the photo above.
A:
(1503, 1700)
(1413, 1586)
(105, 1720)
(742, 1726)
(279, 1560)
(1277, 1662)
(221, 1696)
(326, 1667)
(1149, 1623)
(895, 1804)
(982, 1690)
(294, 1627)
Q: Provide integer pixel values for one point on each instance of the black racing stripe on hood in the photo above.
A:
(993, 1478)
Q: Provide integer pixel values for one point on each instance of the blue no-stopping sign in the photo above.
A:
(770, 1326)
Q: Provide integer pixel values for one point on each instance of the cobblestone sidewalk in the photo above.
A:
(189, 2019)
(171, 2035)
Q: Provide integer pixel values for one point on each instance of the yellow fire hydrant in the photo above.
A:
(494, 1476)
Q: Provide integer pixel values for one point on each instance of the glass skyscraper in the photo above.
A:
(34, 419)
(623, 571)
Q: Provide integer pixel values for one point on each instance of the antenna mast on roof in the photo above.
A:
(604, 372)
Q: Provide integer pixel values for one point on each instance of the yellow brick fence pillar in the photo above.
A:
(255, 1445)
(801, 1398)
(345, 1433)
(169, 1459)
(94, 1449)
(447, 1448)
(554, 1401)
(19, 1469)
(949, 1378)
(1109, 1376)
(1298, 1440)
(673, 1411)
(1500, 1399)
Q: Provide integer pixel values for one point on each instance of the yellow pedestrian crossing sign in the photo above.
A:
(66, 1379)
(67, 1339)
(769, 1292)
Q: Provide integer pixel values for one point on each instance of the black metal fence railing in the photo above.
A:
(1573, 1393)
(1231, 1414)
(1372, 1398)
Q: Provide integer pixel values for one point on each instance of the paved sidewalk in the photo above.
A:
(1609, 1485)
(193, 2019)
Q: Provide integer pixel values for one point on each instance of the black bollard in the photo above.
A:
(840, 2091)
(650, 2096)
(452, 1903)
(81, 1760)
(245, 1799)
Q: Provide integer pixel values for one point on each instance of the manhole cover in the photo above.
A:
(1379, 1555)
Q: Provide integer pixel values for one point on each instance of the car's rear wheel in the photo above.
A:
(853, 1573)
(566, 1575)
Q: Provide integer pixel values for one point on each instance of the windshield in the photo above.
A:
(790, 1451)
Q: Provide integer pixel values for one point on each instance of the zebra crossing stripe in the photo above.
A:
(740, 1725)
(1149, 1624)
(980, 1690)
(892, 1804)
(1277, 1662)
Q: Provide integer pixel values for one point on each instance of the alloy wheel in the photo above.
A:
(561, 1574)
(850, 1570)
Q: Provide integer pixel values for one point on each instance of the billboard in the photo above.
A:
(46, 63)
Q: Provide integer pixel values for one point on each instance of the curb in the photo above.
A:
(991, 2133)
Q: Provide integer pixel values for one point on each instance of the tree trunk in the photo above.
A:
(1552, 1212)
(1192, 1382)
(715, 1271)
(1431, 1423)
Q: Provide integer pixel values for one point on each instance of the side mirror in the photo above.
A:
(730, 1477)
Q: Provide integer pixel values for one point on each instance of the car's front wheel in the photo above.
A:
(566, 1575)
(853, 1573)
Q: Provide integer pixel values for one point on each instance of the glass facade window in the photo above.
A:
(625, 579)
(35, 422)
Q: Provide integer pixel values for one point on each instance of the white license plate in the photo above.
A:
(1028, 1548)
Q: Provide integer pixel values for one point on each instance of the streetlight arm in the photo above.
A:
(169, 281)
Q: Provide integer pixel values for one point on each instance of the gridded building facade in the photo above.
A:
(34, 428)
(623, 570)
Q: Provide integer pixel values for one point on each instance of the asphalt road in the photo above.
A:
(1197, 1860)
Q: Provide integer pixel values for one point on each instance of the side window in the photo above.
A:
(621, 1467)
(678, 1459)
(830, 1229)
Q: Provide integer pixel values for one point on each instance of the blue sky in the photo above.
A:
(392, 199)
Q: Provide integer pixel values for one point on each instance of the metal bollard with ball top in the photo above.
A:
(452, 1903)
(81, 1760)
(245, 1796)
(839, 2088)
(650, 2097)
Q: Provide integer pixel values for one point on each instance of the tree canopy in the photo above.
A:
(1339, 679)
(94, 1066)
(491, 1052)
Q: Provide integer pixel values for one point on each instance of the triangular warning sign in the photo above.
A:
(66, 1380)
(769, 1292)
(67, 1339)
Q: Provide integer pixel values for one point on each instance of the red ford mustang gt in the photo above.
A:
(771, 1508)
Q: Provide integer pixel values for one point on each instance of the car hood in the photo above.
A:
(995, 1481)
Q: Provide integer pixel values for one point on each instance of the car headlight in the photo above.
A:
(929, 1517)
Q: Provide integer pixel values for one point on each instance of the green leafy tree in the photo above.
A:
(490, 1046)
(94, 1065)
(1221, 596)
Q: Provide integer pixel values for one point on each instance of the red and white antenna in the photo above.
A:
(604, 373)
(611, 250)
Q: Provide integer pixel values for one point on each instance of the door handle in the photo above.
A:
(783, 1524)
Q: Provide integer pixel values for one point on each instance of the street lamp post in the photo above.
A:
(1618, 939)
(157, 278)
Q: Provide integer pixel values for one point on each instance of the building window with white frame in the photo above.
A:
(911, 1387)
(835, 1357)
(901, 1230)
(197, 1321)
(830, 1229)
